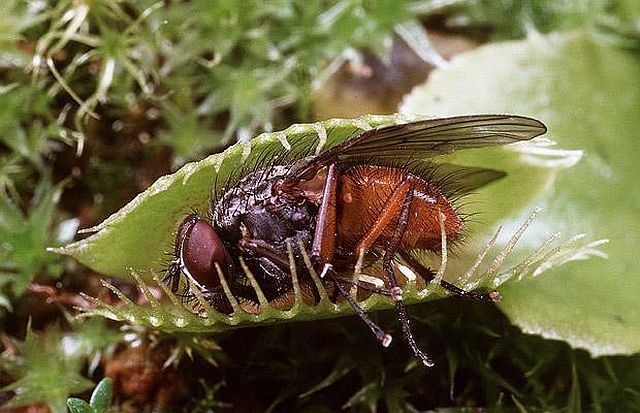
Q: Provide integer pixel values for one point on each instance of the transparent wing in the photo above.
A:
(427, 138)
(457, 180)
(440, 136)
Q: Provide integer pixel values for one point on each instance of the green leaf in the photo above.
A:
(574, 403)
(79, 406)
(343, 366)
(367, 396)
(587, 93)
(5, 303)
(101, 396)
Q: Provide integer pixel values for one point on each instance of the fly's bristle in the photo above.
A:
(227, 291)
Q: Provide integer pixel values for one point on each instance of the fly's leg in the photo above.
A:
(389, 214)
(429, 275)
(261, 248)
(324, 238)
(399, 204)
(273, 275)
(387, 266)
(384, 338)
(324, 245)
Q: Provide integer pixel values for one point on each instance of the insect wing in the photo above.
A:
(434, 137)
(427, 138)
(457, 180)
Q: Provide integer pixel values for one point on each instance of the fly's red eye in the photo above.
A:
(200, 249)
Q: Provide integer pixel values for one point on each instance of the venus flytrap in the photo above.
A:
(164, 204)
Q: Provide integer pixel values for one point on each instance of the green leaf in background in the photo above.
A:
(100, 399)
(101, 396)
(588, 94)
(78, 406)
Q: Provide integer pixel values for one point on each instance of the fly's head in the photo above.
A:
(198, 252)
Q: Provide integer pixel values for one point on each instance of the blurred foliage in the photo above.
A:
(48, 367)
(193, 61)
(99, 98)
(23, 251)
(512, 19)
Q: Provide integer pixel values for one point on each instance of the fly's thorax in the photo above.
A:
(252, 192)
(255, 207)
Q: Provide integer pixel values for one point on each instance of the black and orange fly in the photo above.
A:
(367, 202)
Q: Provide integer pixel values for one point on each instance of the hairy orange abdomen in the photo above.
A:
(363, 193)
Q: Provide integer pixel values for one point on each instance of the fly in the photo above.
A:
(367, 203)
